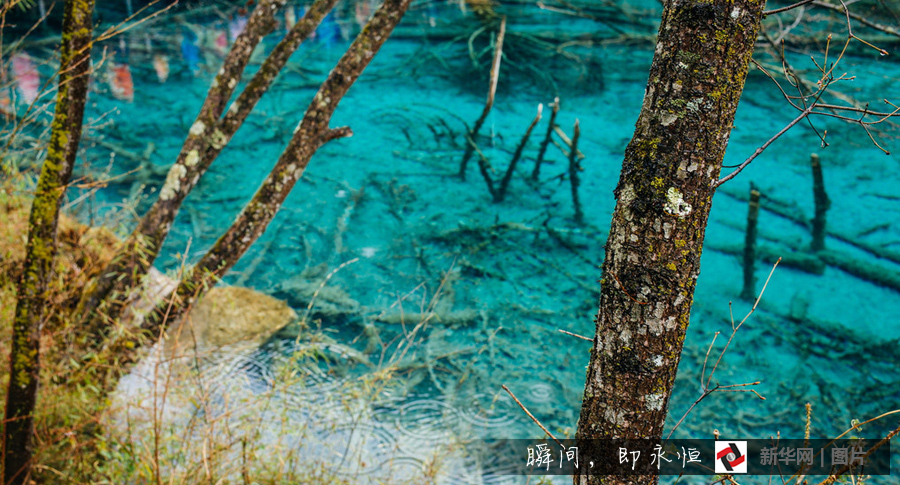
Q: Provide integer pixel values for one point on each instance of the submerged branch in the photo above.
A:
(492, 90)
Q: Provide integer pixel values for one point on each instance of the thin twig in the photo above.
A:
(858, 18)
(531, 415)
(582, 337)
(765, 145)
(629, 294)
(785, 9)
(705, 389)
(315, 295)
(736, 328)
(834, 477)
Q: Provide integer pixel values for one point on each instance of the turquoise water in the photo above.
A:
(389, 196)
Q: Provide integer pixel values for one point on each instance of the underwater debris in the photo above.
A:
(822, 205)
(749, 290)
(161, 66)
(452, 319)
(574, 179)
(547, 137)
(306, 291)
(485, 10)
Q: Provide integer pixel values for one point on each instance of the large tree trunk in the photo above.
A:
(32, 287)
(663, 202)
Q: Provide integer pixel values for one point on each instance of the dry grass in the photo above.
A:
(71, 393)
(184, 423)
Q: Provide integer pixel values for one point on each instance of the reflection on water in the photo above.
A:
(495, 282)
(296, 420)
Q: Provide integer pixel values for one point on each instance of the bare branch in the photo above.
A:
(489, 103)
(857, 17)
(311, 134)
(531, 415)
(582, 337)
(765, 145)
(785, 9)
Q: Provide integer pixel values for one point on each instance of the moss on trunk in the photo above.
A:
(663, 202)
(312, 133)
(207, 137)
(40, 251)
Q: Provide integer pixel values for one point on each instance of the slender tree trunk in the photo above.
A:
(311, 134)
(137, 254)
(32, 287)
(663, 202)
(208, 136)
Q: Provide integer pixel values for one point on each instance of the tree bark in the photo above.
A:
(311, 134)
(209, 134)
(41, 248)
(663, 200)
